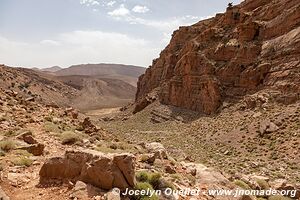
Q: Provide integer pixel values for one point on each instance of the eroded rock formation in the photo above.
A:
(105, 171)
(252, 46)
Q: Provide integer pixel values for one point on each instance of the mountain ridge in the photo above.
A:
(247, 49)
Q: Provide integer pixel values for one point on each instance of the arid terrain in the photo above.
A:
(218, 110)
(95, 89)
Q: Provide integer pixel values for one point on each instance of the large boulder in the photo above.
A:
(105, 171)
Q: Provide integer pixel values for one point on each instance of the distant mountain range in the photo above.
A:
(86, 87)
(126, 73)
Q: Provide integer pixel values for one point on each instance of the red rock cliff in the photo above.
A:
(252, 46)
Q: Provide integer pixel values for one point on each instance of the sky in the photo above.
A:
(45, 33)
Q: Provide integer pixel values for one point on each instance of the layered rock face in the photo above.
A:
(105, 171)
(252, 46)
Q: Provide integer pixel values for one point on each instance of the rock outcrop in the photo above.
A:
(105, 171)
(252, 46)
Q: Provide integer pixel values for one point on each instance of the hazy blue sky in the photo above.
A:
(43, 33)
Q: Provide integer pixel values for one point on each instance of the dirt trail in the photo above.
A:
(103, 111)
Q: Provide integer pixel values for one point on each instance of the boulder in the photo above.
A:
(170, 170)
(267, 126)
(34, 149)
(158, 149)
(88, 126)
(105, 171)
(27, 137)
(206, 176)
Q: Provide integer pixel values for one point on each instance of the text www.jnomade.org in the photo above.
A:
(210, 192)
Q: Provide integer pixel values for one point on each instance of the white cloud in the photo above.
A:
(89, 2)
(50, 42)
(111, 3)
(165, 25)
(78, 47)
(119, 12)
(140, 9)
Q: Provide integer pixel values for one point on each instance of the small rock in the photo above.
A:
(278, 183)
(34, 149)
(258, 114)
(80, 186)
(27, 137)
(267, 127)
(170, 170)
(114, 194)
(29, 99)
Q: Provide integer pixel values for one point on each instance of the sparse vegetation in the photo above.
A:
(144, 158)
(69, 137)
(21, 152)
(142, 176)
(7, 145)
(264, 185)
(22, 161)
(242, 184)
(144, 186)
(154, 180)
(10, 133)
(51, 127)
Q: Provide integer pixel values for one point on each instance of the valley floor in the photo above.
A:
(263, 141)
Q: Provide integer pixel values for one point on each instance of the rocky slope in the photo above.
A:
(34, 162)
(251, 47)
(82, 92)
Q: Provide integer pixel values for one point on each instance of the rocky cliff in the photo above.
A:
(252, 46)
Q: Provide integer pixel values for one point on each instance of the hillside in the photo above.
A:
(81, 92)
(127, 73)
(252, 47)
(216, 117)
(97, 92)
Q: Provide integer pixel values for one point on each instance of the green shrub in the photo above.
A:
(7, 145)
(144, 158)
(142, 176)
(264, 185)
(22, 161)
(21, 152)
(69, 137)
(154, 180)
(242, 185)
(144, 186)
(50, 127)
(176, 176)
(10, 133)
